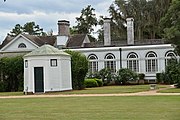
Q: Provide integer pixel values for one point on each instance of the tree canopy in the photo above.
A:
(86, 21)
(29, 28)
(146, 14)
(170, 24)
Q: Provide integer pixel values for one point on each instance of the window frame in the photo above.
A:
(151, 62)
(93, 63)
(168, 58)
(110, 62)
(133, 62)
(22, 45)
(26, 63)
(52, 61)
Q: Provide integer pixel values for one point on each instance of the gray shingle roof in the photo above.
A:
(38, 40)
(76, 40)
(46, 50)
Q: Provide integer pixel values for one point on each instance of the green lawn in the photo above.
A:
(108, 90)
(111, 89)
(11, 93)
(92, 108)
(98, 90)
(171, 90)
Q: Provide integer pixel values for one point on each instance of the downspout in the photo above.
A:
(120, 57)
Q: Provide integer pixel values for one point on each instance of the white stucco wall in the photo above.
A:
(141, 51)
(55, 78)
(13, 46)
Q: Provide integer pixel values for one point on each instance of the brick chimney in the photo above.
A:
(63, 33)
(107, 32)
(63, 28)
(130, 31)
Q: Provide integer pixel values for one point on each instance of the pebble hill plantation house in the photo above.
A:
(147, 56)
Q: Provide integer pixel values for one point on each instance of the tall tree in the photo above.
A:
(146, 14)
(86, 21)
(29, 28)
(16, 30)
(171, 24)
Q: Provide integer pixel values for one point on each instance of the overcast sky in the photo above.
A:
(45, 13)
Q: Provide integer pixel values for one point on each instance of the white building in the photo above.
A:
(147, 56)
(47, 69)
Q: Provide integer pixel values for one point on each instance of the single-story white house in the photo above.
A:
(47, 69)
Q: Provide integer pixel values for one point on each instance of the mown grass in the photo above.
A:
(171, 90)
(97, 90)
(108, 90)
(11, 93)
(92, 108)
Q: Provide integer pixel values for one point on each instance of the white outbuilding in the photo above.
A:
(47, 69)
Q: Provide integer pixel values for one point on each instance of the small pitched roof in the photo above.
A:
(41, 40)
(6, 41)
(76, 40)
(38, 40)
(46, 50)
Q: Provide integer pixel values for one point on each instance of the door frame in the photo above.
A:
(42, 87)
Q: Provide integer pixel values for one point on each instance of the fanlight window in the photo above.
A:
(169, 56)
(133, 62)
(93, 63)
(151, 62)
(110, 62)
(21, 45)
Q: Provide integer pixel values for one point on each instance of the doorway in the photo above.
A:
(39, 79)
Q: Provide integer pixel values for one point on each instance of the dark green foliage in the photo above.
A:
(86, 21)
(170, 24)
(2, 86)
(11, 70)
(161, 78)
(106, 75)
(90, 83)
(93, 75)
(79, 68)
(172, 73)
(141, 76)
(158, 77)
(146, 14)
(99, 81)
(124, 75)
(30, 27)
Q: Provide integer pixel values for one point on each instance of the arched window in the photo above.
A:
(169, 56)
(151, 62)
(110, 62)
(21, 45)
(93, 63)
(133, 62)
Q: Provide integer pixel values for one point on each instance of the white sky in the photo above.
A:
(45, 13)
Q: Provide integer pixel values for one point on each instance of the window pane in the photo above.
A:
(53, 62)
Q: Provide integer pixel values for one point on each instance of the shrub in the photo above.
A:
(2, 86)
(93, 75)
(79, 68)
(106, 75)
(141, 76)
(172, 73)
(11, 69)
(100, 83)
(90, 83)
(159, 77)
(124, 75)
